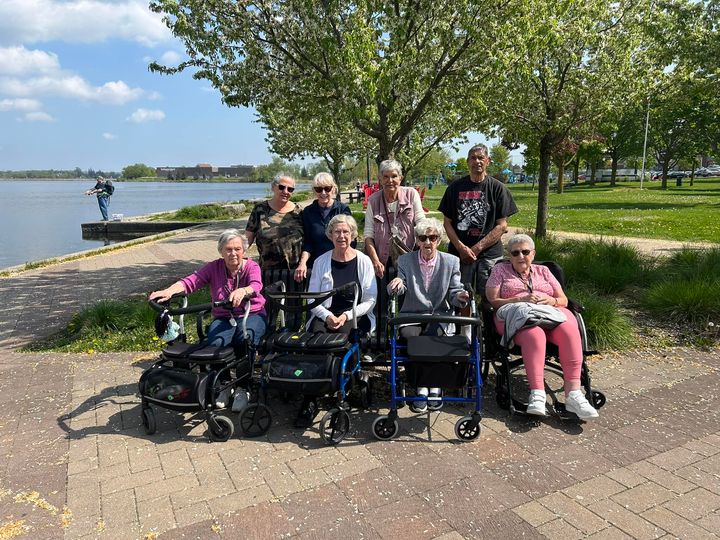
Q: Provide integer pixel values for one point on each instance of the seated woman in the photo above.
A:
(430, 280)
(315, 218)
(337, 267)
(521, 281)
(233, 278)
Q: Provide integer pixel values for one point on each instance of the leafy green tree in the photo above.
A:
(138, 170)
(575, 55)
(407, 75)
(433, 164)
(265, 173)
(563, 155)
(499, 160)
(592, 150)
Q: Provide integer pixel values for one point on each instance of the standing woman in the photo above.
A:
(391, 216)
(275, 226)
(315, 219)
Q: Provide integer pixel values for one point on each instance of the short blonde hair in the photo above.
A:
(342, 218)
(324, 179)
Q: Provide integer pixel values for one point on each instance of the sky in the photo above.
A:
(75, 91)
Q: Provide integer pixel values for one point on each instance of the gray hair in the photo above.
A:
(481, 147)
(520, 238)
(230, 234)
(430, 224)
(323, 179)
(342, 218)
(389, 165)
(279, 176)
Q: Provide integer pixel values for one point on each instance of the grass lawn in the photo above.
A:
(679, 213)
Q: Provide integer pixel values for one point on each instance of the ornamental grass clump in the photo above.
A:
(606, 324)
(685, 301)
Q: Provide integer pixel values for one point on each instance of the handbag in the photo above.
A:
(397, 246)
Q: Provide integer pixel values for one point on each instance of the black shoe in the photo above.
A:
(435, 402)
(418, 406)
(306, 415)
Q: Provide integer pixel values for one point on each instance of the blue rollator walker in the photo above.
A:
(325, 366)
(448, 362)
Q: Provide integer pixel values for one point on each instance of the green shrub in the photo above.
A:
(607, 326)
(690, 264)
(609, 267)
(695, 301)
(205, 212)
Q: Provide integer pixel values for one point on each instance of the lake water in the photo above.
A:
(40, 219)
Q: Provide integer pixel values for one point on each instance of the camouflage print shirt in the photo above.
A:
(279, 237)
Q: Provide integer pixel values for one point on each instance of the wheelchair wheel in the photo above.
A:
(220, 428)
(598, 399)
(255, 420)
(148, 420)
(334, 426)
(465, 431)
(383, 429)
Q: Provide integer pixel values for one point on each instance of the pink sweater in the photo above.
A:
(221, 284)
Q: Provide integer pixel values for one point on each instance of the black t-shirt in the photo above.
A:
(474, 207)
(342, 274)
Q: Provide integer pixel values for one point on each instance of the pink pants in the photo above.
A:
(532, 342)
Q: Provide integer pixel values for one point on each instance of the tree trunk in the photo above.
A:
(561, 177)
(613, 173)
(665, 167)
(576, 170)
(692, 173)
(593, 170)
(543, 187)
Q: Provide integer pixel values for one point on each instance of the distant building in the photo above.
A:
(203, 171)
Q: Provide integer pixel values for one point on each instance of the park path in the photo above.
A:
(76, 464)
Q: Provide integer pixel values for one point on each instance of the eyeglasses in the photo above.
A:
(326, 189)
(516, 252)
(431, 237)
(283, 187)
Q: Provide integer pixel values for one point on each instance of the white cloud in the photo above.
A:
(19, 104)
(38, 116)
(146, 115)
(80, 21)
(170, 58)
(21, 61)
(73, 87)
(109, 136)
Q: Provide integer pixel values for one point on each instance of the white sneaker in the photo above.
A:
(536, 403)
(223, 399)
(240, 400)
(575, 402)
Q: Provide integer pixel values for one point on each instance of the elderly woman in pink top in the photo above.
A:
(231, 277)
(392, 211)
(518, 280)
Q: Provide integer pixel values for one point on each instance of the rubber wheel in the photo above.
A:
(148, 421)
(334, 426)
(365, 394)
(464, 432)
(255, 420)
(224, 430)
(598, 399)
(383, 429)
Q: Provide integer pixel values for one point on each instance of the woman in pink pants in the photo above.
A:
(521, 281)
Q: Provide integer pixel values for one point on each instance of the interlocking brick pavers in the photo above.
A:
(70, 430)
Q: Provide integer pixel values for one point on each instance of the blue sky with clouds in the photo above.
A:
(75, 91)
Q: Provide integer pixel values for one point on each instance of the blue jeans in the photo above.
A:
(104, 204)
(222, 334)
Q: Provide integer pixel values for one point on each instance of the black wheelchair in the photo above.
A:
(323, 366)
(510, 378)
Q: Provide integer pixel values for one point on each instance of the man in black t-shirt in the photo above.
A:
(476, 208)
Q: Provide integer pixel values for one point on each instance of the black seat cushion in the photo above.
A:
(307, 340)
(180, 350)
(438, 349)
(211, 354)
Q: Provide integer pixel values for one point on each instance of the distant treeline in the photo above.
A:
(52, 174)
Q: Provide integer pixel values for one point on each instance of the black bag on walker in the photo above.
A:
(308, 374)
(174, 388)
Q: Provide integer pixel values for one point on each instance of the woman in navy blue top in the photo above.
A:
(315, 218)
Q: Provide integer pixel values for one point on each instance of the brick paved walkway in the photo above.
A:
(77, 464)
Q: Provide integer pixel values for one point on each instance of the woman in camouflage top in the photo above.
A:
(276, 226)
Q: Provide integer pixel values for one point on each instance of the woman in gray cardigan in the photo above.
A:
(430, 280)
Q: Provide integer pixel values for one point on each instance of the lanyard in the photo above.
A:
(527, 282)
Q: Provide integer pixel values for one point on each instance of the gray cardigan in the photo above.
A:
(445, 284)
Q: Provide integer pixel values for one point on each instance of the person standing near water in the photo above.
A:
(103, 189)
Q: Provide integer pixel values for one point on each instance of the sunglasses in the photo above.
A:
(326, 189)
(283, 187)
(431, 237)
(517, 252)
